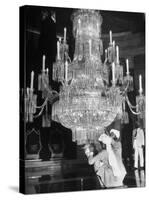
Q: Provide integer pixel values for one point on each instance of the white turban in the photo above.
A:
(115, 132)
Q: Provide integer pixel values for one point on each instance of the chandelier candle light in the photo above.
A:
(106, 55)
(65, 30)
(110, 37)
(32, 80)
(58, 50)
(117, 54)
(66, 70)
(113, 44)
(43, 63)
(140, 84)
(113, 73)
(127, 66)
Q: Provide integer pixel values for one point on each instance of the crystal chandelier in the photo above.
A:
(93, 93)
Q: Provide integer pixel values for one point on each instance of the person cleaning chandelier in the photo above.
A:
(107, 162)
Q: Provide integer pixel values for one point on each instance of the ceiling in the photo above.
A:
(112, 20)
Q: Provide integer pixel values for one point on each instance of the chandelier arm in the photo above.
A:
(105, 61)
(50, 92)
(53, 92)
(47, 88)
(69, 59)
(130, 103)
(45, 85)
(35, 116)
(38, 107)
(133, 112)
(126, 88)
(52, 98)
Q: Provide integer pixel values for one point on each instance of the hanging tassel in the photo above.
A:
(39, 82)
(46, 119)
(140, 101)
(119, 74)
(125, 117)
(110, 54)
(128, 82)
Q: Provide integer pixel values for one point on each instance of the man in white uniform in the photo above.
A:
(138, 143)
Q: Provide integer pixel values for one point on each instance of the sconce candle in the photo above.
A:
(113, 73)
(113, 43)
(106, 54)
(127, 66)
(58, 50)
(47, 71)
(27, 90)
(32, 80)
(65, 34)
(117, 54)
(97, 27)
(110, 37)
(66, 70)
(79, 22)
(43, 62)
(140, 84)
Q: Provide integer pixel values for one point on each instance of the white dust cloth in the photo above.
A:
(112, 158)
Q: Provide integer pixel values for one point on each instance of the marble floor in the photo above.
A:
(64, 176)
